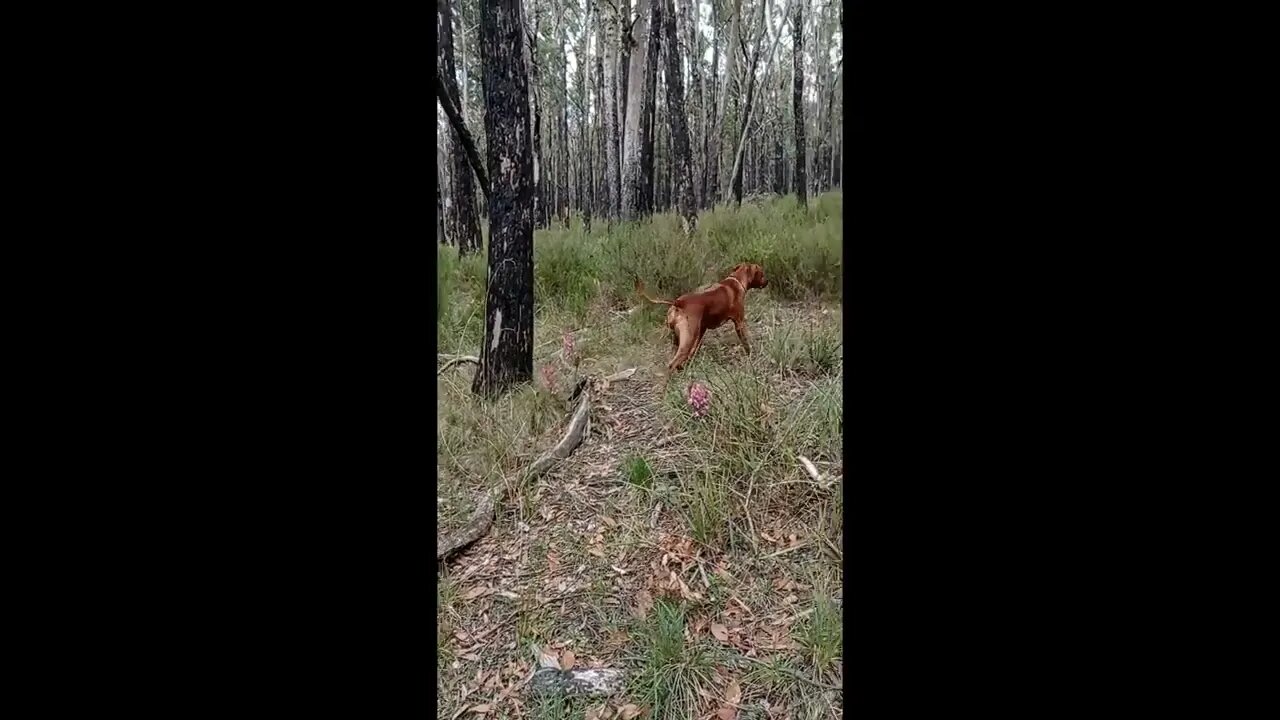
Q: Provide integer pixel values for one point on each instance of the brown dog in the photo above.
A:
(693, 314)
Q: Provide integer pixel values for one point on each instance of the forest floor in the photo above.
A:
(695, 553)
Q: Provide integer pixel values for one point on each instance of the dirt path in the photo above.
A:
(587, 563)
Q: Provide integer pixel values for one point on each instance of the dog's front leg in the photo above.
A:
(741, 327)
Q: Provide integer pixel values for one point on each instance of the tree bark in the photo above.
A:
(541, 216)
(732, 90)
(797, 101)
(633, 169)
(696, 91)
(467, 144)
(602, 150)
(624, 63)
(710, 151)
(649, 131)
(582, 182)
(685, 197)
(506, 356)
(613, 167)
(464, 224)
(441, 236)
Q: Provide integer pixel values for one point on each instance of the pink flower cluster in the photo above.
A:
(699, 399)
(549, 376)
(567, 347)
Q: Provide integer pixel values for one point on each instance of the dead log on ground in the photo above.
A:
(579, 682)
(481, 519)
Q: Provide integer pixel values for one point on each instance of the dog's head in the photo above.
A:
(750, 275)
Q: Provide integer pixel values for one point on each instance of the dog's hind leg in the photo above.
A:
(686, 343)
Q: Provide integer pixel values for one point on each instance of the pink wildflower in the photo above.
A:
(699, 399)
(549, 376)
(567, 347)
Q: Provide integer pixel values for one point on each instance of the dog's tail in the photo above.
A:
(640, 290)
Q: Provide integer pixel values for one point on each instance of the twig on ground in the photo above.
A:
(792, 673)
(459, 359)
(839, 555)
(669, 439)
(784, 551)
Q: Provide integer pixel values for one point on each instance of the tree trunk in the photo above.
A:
(564, 163)
(440, 233)
(710, 146)
(602, 144)
(696, 105)
(649, 106)
(625, 47)
(540, 215)
(582, 183)
(506, 356)
(633, 169)
(797, 101)
(732, 97)
(681, 156)
(464, 226)
(613, 168)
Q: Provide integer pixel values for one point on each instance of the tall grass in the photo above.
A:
(800, 251)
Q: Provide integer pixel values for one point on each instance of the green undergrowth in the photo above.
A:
(800, 251)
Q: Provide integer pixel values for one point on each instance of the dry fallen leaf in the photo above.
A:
(566, 660)
(545, 658)
(476, 592)
(628, 711)
(644, 602)
(727, 713)
(720, 632)
(733, 693)
(480, 709)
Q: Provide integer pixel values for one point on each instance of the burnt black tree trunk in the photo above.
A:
(440, 233)
(464, 225)
(685, 198)
(506, 355)
(648, 127)
(603, 111)
(797, 100)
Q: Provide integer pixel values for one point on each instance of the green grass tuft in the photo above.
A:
(673, 672)
(638, 472)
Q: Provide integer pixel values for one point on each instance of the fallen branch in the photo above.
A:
(620, 375)
(473, 529)
(572, 438)
(481, 520)
(459, 359)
